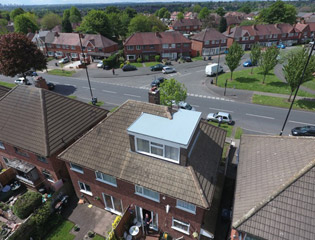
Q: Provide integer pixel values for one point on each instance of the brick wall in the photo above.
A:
(196, 46)
(126, 192)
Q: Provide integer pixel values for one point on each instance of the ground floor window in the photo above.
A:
(59, 54)
(48, 176)
(74, 55)
(131, 57)
(84, 188)
(50, 53)
(113, 204)
(180, 226)
(140, 216)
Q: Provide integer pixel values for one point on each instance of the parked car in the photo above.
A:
(168, 70)
(129, 67)
(282, 46)
(186, 58)
(157, 82)
(247, 63)
(225, 117)
(22, 81)
(100, 64)
(106, 67)
(50, 86)
(157, 67)
(212, 69)
(29, 73)
(183, 105)
(304, 131)
(64, 60)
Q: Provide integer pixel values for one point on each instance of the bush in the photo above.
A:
(198, 53)
(26, 204)
(91, 234)
(139, 60)
(121, 59)
(4, 206)
(111, 61)
(157, 58)
(121, 65)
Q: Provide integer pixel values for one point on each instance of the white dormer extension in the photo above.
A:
(162, 137)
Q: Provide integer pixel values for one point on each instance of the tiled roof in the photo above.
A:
(152, 38)
(233, 20)
(208, 35)
(299, 27)
(44, 122)
(4, 90)
(106, 148)
(187, 22)
(274, 195)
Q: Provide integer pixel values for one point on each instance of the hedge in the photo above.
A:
(111, 61)
(26, 204)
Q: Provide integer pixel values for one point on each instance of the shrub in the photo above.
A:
(121, 59)
(157, 58)
(4, 206)
(91, 234)
(198, 53)
(121, 65)
(26, 204)
(111, 61)
(139, 60)
(76, 228)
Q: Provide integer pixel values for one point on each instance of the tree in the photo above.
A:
(96, 21)
(66, 26)
(172, 90)
(220, 11)
(115, 22)
(18, 55)
(3, 26)
(245, 9)
(254, 55)
(197, 8)
(180, 16)
(23, 24)
(50, 20)
(278, 12)
(142, 23)
(294, 68)
(130, 12)
(233, 57)
(223, 25)
(5, 15)
(268, 61)
(66, 14)
(125, 20)
(75, 15)
(16, 12)
(247, 22)
(111, 9)
(167, 15)
(162, 11)
(204, 12)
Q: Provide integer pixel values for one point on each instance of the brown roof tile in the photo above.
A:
(44, 122)
(274, 195)
(4, 90)
(186, 22)
(107, 149)
(209, 34)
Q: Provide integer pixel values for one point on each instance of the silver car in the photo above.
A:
(184, 105)
(215, 117)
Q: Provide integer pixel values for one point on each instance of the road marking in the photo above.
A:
(56, 82)
(195, 105)
(302, 123)
(253, 115)
(222, 110)
(88, 88)
(108, 91)
(186, 74)
(257, 131)
(130, 95)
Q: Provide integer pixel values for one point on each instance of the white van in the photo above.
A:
(212, 69)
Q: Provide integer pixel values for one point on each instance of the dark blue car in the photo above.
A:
(247, 63)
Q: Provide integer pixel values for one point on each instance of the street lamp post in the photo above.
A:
(216, 77)
(94, 100)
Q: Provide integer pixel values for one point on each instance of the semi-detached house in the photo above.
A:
(153, 160)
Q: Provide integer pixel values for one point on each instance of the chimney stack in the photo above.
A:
(154, 95)
(228, 30)
(56, 34)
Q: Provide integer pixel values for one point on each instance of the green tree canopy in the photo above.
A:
(131, 12)
(16, 12)
(75, 15)
(125, 20)
(245, 9)
(50, 20)
(197, 8)
(278, 12)
(66, 14)
(112, 9)
(247, 22)
(66, 26)
(142, 23)
(3, 26)
(233, 57)
(162, 11)
(294, 67)
(96, 21)
(23, 24)
(167, 15)
(5, 15)
(116, 24)
(18, 55)
(268, 61)
(180, 16)
(204, 12)
(222, 25)
(220, 11)
(255, 55)
(172, 90)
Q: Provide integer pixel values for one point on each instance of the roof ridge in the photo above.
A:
(275, 194)
(44, 115)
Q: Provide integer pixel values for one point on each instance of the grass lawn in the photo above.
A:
(62, 232)
(113, 109)
(60, 72)
(283, 102)
(244, 80)
(49, 59)
(310, 84)
(98, 104)
(150, 64)
(98, 237)
(137, 64)
(197, 58)
(72, 96)
(224, 126)
(238, 133)
(6, 84)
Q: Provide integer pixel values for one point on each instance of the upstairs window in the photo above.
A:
(252, 38)
(21, 152)
(165, 46)
(58, 46)
(186, 44)
(48, 45)
(223, 41)
(261, 37)
(284, 34)
(73, 47)
(84, 188)
(291, 34)
(129, 47)
(178, 45)
(48, 176)
(138, 47)
(76, 168)
(188, 207)
(207, 42)
(41, 159)
(2, 145)
(173, 45)
(180, 226)
(102, 177)
(147, 193)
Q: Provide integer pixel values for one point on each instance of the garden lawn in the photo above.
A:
(136, 64)
(244, 80)
(150, 64)
(6, 84)
(98, 237)
(224, 126)
(62, 232)
(60, 72)
(197, 58)
(310, 84)
(72, 96)
(238, 133)
(98, 104)
(283, 102)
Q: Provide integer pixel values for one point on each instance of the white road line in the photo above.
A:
(302, 123)
(88, 88)
(253, 115)
(195, 105)
(108, 91)
(258, 131)
(222, 110)
(130, 95)
(56, 82)
(186, 74)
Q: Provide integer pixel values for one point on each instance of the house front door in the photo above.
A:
(112, 204)
(140, 215)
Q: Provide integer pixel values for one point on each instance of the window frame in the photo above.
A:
(138, 47)
(145, 196)
(185, 209)
(104, 181)
(84, 190)
(41, 159)
(47, 173)
(76, 170)
(182, 223)
(21, 152)
(130, 48)
(165, 45)
(2, 145)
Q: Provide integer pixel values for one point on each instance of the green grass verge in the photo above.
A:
(197, 58)
(137, 64)
(150, 64)
(238, 133)
(244, 80)
(224, 126)
(98, 237)
(62, 232)
(113, 109)
(60, 72)
(310, 84)
(98, 104)
(72, 97)
(49, 59)
(6, 84)
(283, 102)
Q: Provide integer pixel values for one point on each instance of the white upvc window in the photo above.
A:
(284, 34)
(131, 57)
(180, 226)
(73, 47)
(187, 27)
(223, 41)
(160, 150)
(213, 42)
(48, 176)
(58, 46)
(2, 145)
(291, 34)
(275, 35)
(76, 168)
(84, 188)
(296, 34)
(50, 53)
(138, 47)
(41, 159)
(147, 193)
(102, 177)
(207, 42)
(74, 55)
(173, 45)
(165, 45)
(305, 33)
(244, 38)
(59, 54)
(252, 38)
(129, 47)
(188, 207)
(261, 37)
(195, 27)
